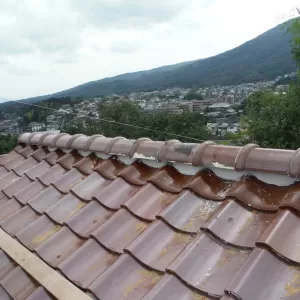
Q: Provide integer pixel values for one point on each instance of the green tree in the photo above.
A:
(117, 116)
(273, 119)
(7, 143)
(193, 94)
(294, 29)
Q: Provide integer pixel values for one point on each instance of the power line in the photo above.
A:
(115, 122)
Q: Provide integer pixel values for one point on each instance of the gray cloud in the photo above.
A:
(16, 69)
(37, 27)
(127, 13)
(125, 47)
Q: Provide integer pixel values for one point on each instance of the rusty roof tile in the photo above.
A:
(188, 212)
(208, 266)
(256, 278)
(16, 186)
(25, 284)
(260, 195)
(90, 186)
(45, 199)
(87, 164)
(52, 157)
(7, 265)
(137, 173)
(291, 201)
(117, 284)
(164, 242)
(209, 186)
(37, 232)
(110, 168)
(40, 294)
(125, 228)
(237, 225)
(65, 208)
(169, 179)
(88, 219)
(169, 287)
(68, 160)
(30, 192)
(69, 180)
(116, 193)
(87, 263)
(19, 220)
(59, 247)
(38, 170)
(149, 201)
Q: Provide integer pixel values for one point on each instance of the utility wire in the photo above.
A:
(114, 122)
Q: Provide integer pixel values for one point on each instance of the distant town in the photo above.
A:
(221, 105)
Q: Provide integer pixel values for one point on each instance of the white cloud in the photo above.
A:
(51, 45)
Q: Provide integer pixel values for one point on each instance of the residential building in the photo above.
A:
(35, 126)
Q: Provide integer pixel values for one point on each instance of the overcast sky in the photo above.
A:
(50, 45)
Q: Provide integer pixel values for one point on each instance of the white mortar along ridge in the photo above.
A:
(142, 156)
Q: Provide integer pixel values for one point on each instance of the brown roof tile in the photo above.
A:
(37, 232)
(3, 171)
(38, 170)
(87, 263)
(30, 192)
(16, 186)
(148, 202)
(39, 294)
(59, 246)
(18, 284)
(125, 228)
(207, 265)
(6, 265)
(3, 294)
(165, 245)
(188, 212)
(256, 278)
(170, 287)
(116, 194)
(152, 220)
(88, 219)
(117, 284)
(8, 179)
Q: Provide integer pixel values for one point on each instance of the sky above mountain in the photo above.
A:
(52, 45)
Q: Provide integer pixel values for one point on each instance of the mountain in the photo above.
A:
(263, 58)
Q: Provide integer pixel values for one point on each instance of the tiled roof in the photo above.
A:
(125, 219)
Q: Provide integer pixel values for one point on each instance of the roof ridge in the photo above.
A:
(208, 154)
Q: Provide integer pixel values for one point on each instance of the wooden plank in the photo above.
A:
(52, 281)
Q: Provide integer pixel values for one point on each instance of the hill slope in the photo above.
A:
(263, 58)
